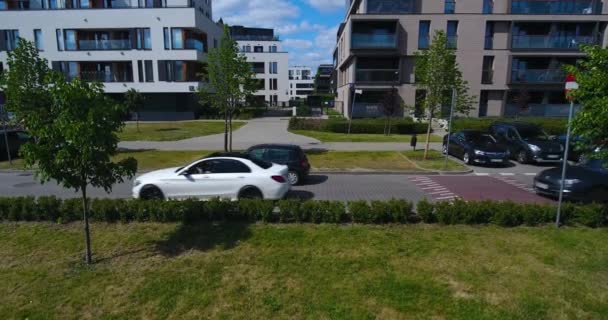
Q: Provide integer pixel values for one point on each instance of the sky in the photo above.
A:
(307, 28)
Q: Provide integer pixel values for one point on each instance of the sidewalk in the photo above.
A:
(266, 130)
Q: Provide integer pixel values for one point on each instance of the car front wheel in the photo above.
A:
(522, 157)
(466, 158)
(151, 193)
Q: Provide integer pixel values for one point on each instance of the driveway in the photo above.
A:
(265, 130)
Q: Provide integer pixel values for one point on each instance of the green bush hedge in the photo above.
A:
(552, 126)
(506, 214)
(398, 126)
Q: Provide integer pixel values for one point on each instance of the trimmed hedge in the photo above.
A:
(507, 214)
(337, 125)
(553, 126)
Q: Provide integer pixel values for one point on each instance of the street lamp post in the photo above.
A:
(447, 143)
(571, 85)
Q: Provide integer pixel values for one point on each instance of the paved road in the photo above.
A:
(265, 130)
(332, 187)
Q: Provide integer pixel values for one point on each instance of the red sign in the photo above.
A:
(570, 86)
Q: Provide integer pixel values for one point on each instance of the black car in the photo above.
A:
(16, 138)
(586, 182)
(527, 142)
(574, 154)
(474, 146)
(286, 154)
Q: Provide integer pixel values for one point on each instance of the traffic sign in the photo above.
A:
(570, 86)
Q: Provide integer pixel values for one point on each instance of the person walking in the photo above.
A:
(413, 141)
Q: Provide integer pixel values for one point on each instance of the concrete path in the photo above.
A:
(266, 130)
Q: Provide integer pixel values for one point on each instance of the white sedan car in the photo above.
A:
(224, 177)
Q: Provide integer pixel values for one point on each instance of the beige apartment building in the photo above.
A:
(508, 50)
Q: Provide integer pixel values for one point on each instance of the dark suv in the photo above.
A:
(527, 142)
(286, 154)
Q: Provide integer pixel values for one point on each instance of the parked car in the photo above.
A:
(477, 147)
(586, 182)
(527, 143)
(573, 153)
(286, 154)
(16, 138)
(224, 177)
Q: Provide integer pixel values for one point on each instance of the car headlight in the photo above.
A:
(479, 152)
(534, 148)
(136, 183)
(572, 181)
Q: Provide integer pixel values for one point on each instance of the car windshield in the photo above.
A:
(533, 134)
(479, 138)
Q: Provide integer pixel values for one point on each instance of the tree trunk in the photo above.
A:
(85, 217)
(428, 136)
(230, 128)
(226, 129)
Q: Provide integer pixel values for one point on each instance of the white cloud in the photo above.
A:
(297, 43)
(256, 13)
(327, 5)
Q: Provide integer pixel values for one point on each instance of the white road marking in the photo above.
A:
(507, 174)
(439, 192)
(445, 198)
(531, 174)
(482, 174)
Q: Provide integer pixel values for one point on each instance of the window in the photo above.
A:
(140, 71)
(149, 71)
(273, 84)
(450, 6)
(176, 38)
(452, 34)
(257, 153)
(281, 155)
(423, 34)
(143, 39)
(59, 39)
(258, 49)
(167, 38)
(487, 70)
(70, 40)
(247, 48)
(483, 103)
(215, 43)
(9, 38)
(223, 166)
(38, 39)
(489, 41)
(488, 6)
(273, 67)
(272, 48)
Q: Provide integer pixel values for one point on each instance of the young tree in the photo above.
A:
(74, 130)
(134, 101)
(390, 106)
(438, 73)
(591, 121)
(230, 81)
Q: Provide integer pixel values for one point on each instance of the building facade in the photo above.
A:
(323, 78)
(155, 47)
(508, 50)
(268, 61)
(301, 82)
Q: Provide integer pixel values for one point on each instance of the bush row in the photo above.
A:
(552, 126)
(337, 125)
(506, 214)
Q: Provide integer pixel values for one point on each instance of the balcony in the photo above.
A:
(91, 45)
(391, 6)
(539, 110)
(555, 7)
(106, 72)
(550, 42)
(374, 35)
(537, 76)
(105, 76)
(376, 76)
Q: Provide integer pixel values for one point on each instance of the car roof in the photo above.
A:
(276, 145)
(517, 124)
(473, 131)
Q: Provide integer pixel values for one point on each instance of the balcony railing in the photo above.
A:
(537, 76)
(104, 44)
(391, 6)
(381, 41)
(554, 7)
(102, 76)
(376, 75)
(550, 42)
(539, 110)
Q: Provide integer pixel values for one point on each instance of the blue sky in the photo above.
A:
(306, 27)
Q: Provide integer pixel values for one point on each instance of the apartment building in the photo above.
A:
(508, 50)
(154, 46)
(323, 79)
(301, 82)
(264, 51)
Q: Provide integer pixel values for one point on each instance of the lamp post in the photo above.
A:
(571, 86)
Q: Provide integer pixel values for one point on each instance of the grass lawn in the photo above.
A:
(172, 131)
(237, 271)
(362, 137)
(435, 161)
(333, 160)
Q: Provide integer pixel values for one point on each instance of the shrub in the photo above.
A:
(552, 126)
(507, 214)
(312, 211)
(218, 210)
(254, 209)
(360, 212)
(289, 211)
(333, 211)
(337, 125)
(70, 210)
(426, 211)
(593, 215)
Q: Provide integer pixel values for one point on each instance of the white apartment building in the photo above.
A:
(269, 62)
(301, 82)
(154, 46)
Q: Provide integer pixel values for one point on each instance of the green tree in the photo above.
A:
(591, 121)
(230, 81)
(438, 73)
(134, 101)
(74, 128)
